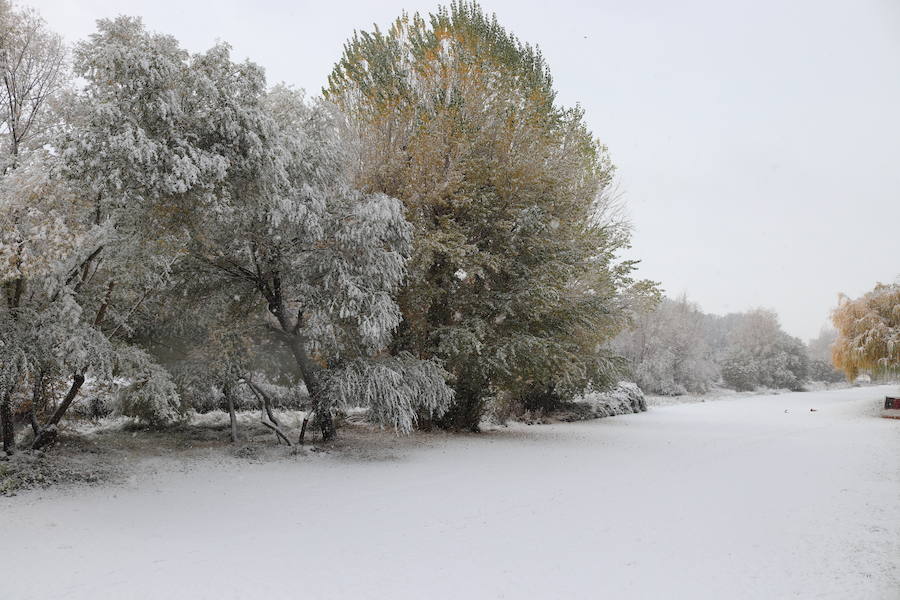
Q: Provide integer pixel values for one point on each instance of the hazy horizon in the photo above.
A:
(749, 139)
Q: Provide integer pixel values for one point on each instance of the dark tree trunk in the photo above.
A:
(230, 399)
(37, 402)
(266, 402)
(307, 368)
(6, 423)
(310, 372)
(47, 434)
(303, 430)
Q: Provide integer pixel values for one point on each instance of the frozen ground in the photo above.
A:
(747, 497)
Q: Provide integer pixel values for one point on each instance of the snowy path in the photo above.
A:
(728, 499)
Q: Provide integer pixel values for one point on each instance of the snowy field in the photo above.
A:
(747, 497)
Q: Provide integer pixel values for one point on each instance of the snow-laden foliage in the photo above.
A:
(397, 390)
(668, 349)
(151, 396)
(245, 197)
(171, 179)
(818, 349)
(86, 237)
(514, 280)
(676, 348)
(760, 354)
(868, 332)
(626, 397)
(32, 72)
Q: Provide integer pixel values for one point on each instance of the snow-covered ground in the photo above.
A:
(746, 497)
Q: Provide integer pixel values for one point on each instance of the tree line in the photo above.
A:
(675, 348)
(432, 235)
(433, 238)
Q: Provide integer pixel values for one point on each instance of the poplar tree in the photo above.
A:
(514, 279)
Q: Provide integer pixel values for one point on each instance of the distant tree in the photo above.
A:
(819, 350)
(868, 332)
(514, 278)
(760, 354)
(668, 350)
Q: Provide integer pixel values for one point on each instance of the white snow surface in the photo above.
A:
(746, 497)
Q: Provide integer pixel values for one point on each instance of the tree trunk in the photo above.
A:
(303, 429)
(309, 371)
(279, 434)
(37, 401)
(48, 432)
(230, 399)
(307, 368)
(266, 407)
(265, 399)
(6, 423)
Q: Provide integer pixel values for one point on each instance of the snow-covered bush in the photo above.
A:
(150, 396)
(625, 398)
(397, 390)
(739, 372)
(824, 371)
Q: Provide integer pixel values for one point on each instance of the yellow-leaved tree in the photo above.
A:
(868, 332)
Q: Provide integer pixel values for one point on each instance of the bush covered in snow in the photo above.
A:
(625, 398)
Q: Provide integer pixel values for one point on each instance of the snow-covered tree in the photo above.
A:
(88, 219)
(251, 191)
(669, 351)
(761, 354)
(514, 280)
(868, 332)
(32, 70)
(819, 350)
(677, 348)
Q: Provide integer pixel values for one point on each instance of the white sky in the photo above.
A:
(758, 141)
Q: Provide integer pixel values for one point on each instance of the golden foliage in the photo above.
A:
(868, 332)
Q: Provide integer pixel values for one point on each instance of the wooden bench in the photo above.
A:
(891, 407)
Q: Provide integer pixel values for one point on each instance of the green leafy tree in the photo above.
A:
(514, 280)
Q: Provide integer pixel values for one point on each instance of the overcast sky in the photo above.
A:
(757, 142)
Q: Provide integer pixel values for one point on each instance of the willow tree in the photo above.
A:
(514, 280)
(249, 189)
(868, 332)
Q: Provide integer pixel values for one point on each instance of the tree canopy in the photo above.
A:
(868, 332)
(514, 279)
